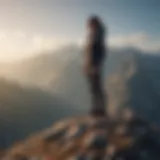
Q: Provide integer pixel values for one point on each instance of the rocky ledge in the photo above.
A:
(91, 138)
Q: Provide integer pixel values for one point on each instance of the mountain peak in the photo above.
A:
(87, 137)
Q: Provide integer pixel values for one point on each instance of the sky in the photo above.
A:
(29, 27)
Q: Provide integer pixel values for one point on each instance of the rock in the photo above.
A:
(90, 138)
(96, 140)
(99, 123)
(56, 135)
(76, 131)
(78, 157)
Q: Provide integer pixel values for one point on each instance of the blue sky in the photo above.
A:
(35, 25)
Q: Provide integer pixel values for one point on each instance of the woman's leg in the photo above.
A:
(97, 92)
(100, 96)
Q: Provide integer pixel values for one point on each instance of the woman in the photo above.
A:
(94, 59)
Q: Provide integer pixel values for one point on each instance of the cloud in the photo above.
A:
(41, 43)
(140, 41)
(131, 39)
(18, 44)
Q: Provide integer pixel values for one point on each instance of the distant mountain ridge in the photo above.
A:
(27, 110)
(61, 73)
(137, 86)
(54, 85)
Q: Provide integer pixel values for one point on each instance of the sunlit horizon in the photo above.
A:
(28, 28)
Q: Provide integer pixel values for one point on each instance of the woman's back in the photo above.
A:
(95, 56)
(96, 43)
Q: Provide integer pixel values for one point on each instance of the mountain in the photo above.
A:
(61, 72)
(94, 138)
(48, 67)
(40, 70)
(136, 85)
(26, 110)
(131, 77)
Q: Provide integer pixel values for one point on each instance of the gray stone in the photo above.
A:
(96, 141)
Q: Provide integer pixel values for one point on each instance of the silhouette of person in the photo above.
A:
(94, 59)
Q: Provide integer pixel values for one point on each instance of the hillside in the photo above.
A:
(41, 69)
(136, 85)
(27, 110)
(61, 72)
(132, 81)
(86, 137)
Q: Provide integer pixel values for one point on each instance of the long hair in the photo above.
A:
(95, 21)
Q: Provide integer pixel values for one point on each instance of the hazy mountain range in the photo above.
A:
(24, 111)
(136, 85)
(61, 72)
(36, 92)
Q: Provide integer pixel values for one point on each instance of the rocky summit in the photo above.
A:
(91, 138)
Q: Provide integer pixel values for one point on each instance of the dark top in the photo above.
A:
(97, 46)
